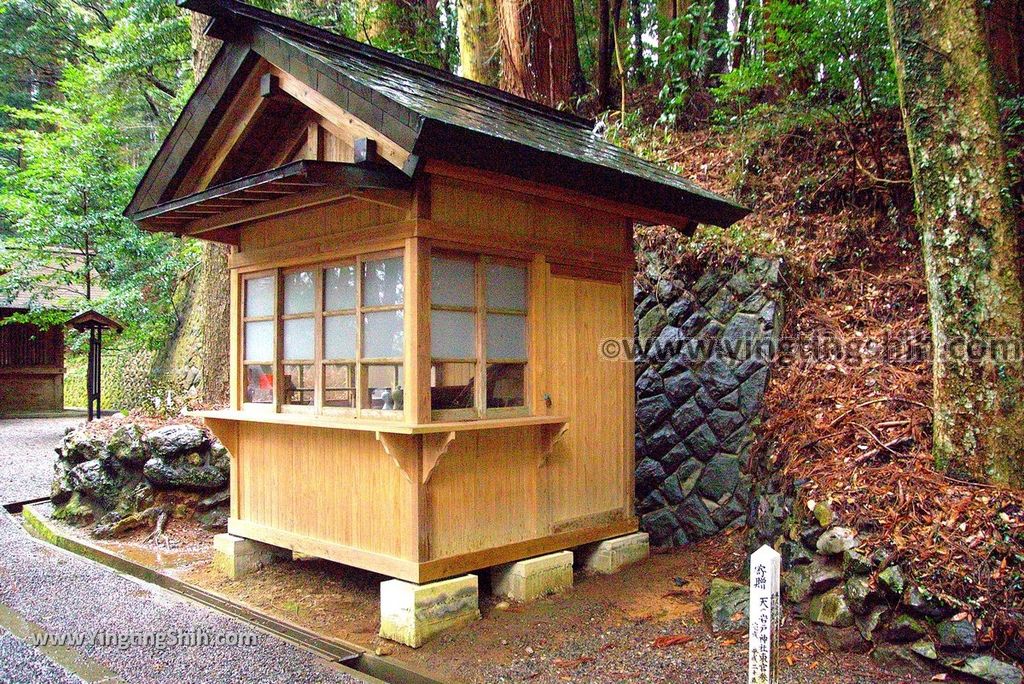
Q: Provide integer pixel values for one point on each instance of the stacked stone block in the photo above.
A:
(702, 364)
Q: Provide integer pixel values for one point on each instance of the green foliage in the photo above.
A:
(61, 206)
(684, 55)
(831, 54)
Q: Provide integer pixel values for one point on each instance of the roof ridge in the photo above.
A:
(236, 9)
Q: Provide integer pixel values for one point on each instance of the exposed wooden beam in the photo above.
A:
(282, 205)
(340, 122)
(241, 113)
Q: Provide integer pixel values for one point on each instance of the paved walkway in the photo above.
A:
(50, 595)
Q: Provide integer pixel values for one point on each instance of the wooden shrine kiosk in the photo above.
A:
(423, 270)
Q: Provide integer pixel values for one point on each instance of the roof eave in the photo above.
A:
(457, 145)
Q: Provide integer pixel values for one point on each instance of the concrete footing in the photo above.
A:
(533, 578)
(412, 614)
(611, 555)
(237, 557)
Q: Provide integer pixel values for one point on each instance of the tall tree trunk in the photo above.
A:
(719, 62)
(604, 55)
(637, 24)
(1004, 26)
(968, 233)
(539, 56)
(742, 32)
(478, 41)
(211, 295)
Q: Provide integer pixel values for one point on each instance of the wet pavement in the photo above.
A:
(66, 619)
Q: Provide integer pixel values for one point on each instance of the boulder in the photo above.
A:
(856, 563)
(804, 581)
(844, 640)
(214, 520)
(174, 440)
(125, 445)
(836, 541)
(860, 594)
(61, 489)
(727, 606)
(78, 446)
(925, 649)
(904, 629)
(214, 500)
(695, 519)
(957, 635)
(193, 478)
(823, 513)
(989, 669)
(97, 483)
(901, 659)
(830, 609)
(928, 604)
(892, 579)
(793, 554)
(868, 623)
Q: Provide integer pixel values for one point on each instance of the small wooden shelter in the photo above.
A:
(31, 365)
(423, 271)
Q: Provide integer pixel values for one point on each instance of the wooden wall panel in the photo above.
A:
(329, 485)
(461, 204)
(338, 219)
(586, 469)
(482, 494)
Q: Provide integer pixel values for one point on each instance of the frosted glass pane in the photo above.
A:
(506, 336)
(340, 337)
(259, 297)
(382, 282)
(298, 339)
(452, 282)
(259, 341)
(452, 335)
(506, 287)
(340, 288)
(299, 289)
(382, 335)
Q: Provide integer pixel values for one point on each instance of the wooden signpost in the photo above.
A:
(765, 616)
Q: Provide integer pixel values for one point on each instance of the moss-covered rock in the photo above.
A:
(830, 609)
(191, 478)
(727, 606)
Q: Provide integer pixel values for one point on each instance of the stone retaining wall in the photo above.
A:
(701, 372)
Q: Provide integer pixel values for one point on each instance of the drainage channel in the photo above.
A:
(356, 662)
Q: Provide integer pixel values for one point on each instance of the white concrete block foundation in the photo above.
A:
(412, 614)
(533, 578)
(611, 555)
(237, 557)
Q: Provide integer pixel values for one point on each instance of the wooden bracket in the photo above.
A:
(435, 445)
(551, 435)
(400, 451)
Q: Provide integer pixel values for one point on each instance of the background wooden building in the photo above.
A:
(31, 365)
(423, 272)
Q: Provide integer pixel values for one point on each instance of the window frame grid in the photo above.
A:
(245, 363)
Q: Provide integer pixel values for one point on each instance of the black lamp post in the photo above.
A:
(94, 323)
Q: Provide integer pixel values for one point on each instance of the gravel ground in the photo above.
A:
(27, 456)
(67, 595)
(19, 662)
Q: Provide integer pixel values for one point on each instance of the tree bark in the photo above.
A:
(719, 62)
(539, 55)
(604, 55)
(1004, 27)
(637, 25)
(478, 41)
(968, 232)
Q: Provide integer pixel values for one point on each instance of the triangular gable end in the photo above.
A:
(249, 115)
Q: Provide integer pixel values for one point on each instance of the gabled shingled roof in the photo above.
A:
(436, 115)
